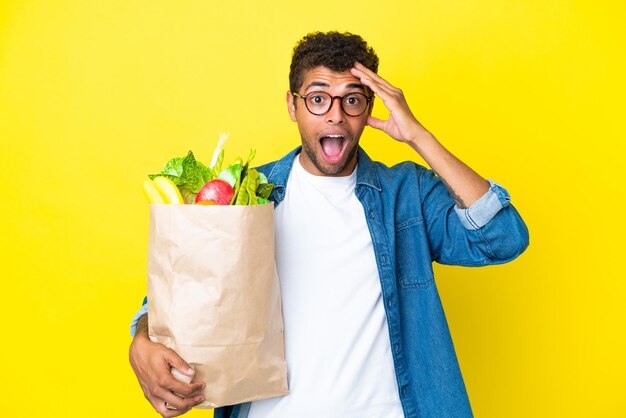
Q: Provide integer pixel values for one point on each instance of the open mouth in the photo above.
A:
(333, 147)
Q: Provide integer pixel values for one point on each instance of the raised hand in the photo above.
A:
(401, 124)
(463, 183)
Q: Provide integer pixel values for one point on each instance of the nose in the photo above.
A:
(335, 114)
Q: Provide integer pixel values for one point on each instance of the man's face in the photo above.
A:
(329, 141)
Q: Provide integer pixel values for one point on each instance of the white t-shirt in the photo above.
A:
(336, 337)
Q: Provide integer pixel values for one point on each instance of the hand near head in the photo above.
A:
(464, 184)
(402, 124)
(152, 363)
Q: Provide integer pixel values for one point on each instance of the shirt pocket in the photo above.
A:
(413, 260)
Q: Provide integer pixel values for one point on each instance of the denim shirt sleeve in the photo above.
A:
(491, 231)
(485, 208)
(141, 312)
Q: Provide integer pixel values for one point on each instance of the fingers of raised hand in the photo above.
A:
(372, 75)
(368, 81)
(376, 123)
(391, 96)
(373, 80)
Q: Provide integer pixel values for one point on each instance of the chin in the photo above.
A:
(327, 169)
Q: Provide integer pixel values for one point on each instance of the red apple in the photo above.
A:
(216, 191)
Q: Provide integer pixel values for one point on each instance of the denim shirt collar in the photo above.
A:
(366, 174)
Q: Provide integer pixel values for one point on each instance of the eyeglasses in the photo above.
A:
(319, 102)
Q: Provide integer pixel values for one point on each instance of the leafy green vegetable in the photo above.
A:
(253, 183)
(242, 197)
(264, 190)
(173, 167)
(188, 174)
(251, 156)
(231, 174)
(238, 183)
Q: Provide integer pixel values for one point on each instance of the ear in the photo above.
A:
(291, 106)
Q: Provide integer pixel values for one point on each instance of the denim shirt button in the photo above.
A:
(372, 214)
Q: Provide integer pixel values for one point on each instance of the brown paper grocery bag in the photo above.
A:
(214, 297)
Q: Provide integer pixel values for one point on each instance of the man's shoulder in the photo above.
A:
(402, 167)
(267, 167)
(367, 163)
(277, 171)
(400, 172)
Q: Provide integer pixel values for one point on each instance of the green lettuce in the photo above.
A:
(189, 174)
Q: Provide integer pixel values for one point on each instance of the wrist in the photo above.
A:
(141, 330)
(139, 340)
(140, 343)
(420, 138)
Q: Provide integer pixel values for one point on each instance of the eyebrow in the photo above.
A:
(323, 84)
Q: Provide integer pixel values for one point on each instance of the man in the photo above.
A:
(365, 332)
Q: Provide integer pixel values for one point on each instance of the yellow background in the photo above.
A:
(96, 94)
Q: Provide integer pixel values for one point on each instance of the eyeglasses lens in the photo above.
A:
(353, 104)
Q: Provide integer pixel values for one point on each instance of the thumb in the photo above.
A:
(376, 123)
(178, 363)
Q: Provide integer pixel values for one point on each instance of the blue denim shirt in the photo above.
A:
(414, 221)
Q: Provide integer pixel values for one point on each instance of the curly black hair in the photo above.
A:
(333, 50)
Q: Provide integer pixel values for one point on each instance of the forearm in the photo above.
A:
(464, 184)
